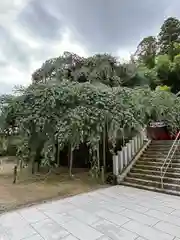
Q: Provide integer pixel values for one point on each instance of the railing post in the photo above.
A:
(120, 160)
(161, 177)
(125, 156)
(141, 138)
(169, 158)
(132, 148)
(136, 144)
(115, 165)
(139, 141)
(128, 152)
(144, 134)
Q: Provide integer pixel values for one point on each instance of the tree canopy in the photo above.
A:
(160, 56)
(146, 51)
(70, 113)
(168, 35)
(74, 100)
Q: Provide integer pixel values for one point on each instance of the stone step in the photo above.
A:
(162, 142)
(156, 178)
(154, 168)
(149, 159)
(164, 151)
(158, 160)
(155, 146)
(160, 151)
(158, 146)
(159, 154)
(145, 171)
(156, 184)
(151, 150)
(149, 163)
(149, 188)
(157, 164)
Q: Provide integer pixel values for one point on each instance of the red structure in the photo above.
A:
(159, 131)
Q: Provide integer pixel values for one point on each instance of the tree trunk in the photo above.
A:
(15, 174)
(37, 157)
(98, 160)
(102, 175)
(58, 152)
(70, 161)
(38, 165)
(21, 164)
(33, 167)
(104, 147)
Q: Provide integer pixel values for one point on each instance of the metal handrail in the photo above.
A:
(169, 157)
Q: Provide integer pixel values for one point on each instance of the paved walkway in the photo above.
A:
(115, 213)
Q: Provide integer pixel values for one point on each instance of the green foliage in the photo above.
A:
(149, 76)
(146, 51)
(163, 67)
(100, 68)
(74, 113)
(3, 145)
(176, 64)
(73, 100)
(70, 113)
(169, 34)
(161, 56)
(163, 62)
(163, 88)
(176, 48)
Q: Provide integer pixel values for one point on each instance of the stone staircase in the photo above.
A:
(146, 174)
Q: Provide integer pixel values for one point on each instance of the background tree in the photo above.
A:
(169, 34)
(146, 51)
(157, 60)
(100, 68)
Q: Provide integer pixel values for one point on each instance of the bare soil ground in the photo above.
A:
(32, 189)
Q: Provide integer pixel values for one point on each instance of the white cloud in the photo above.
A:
(68, 44)
(39, 50)
(124, 54)
(9, 9)
(23, 48)
(12, 76)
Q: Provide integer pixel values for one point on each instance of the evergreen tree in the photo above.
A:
(169, 34)
(146, 51)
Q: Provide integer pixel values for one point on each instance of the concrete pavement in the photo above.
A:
(114, 213)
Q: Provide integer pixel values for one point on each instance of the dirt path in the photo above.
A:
(31, 190)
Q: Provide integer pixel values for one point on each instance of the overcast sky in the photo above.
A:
(33, 30)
